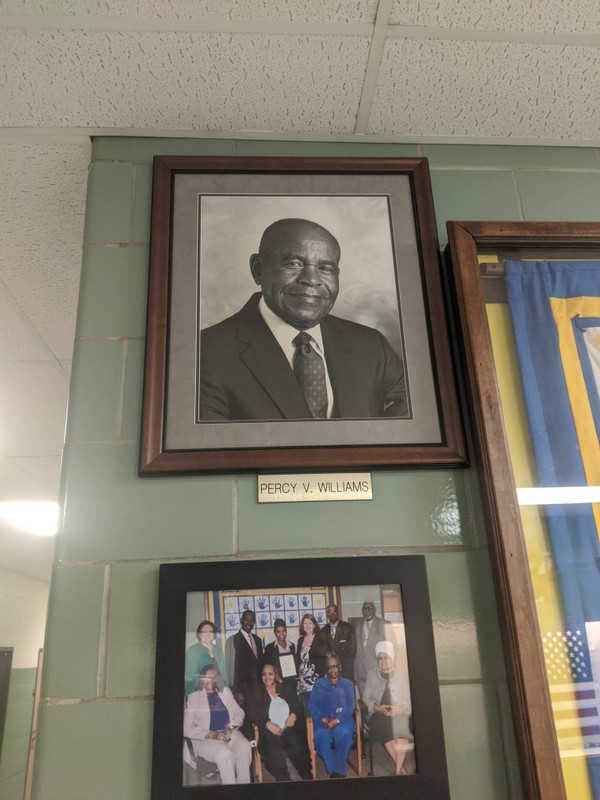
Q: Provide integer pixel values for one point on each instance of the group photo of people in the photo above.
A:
(282, 685)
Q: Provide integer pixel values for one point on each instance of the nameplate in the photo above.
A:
(312, 488)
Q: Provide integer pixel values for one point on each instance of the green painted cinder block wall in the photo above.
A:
(95, 729)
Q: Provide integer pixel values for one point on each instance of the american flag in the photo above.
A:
(573, 691)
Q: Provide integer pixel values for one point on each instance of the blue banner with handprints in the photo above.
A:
(270, 605)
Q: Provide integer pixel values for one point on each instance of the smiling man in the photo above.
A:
(244, 660)
(283, 355)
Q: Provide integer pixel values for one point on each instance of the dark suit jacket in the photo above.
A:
(366, 659)
(243, 668)
(344, 644)
(244, 373)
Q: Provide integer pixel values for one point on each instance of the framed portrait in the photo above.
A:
(316, 673)
(295, 317)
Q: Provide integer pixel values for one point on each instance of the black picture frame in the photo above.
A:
(177, 581)
(384, 210)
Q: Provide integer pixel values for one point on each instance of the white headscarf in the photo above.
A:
(385, 647)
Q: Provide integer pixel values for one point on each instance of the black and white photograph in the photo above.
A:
(293, 683)
(297, 282)
(295, 315)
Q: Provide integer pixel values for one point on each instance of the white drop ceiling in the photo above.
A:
(472, 71)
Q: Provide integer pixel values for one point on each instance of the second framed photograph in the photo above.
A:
(319, 674)
(296, 317)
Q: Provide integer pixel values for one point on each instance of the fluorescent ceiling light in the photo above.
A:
(38, 518)
(558, 495)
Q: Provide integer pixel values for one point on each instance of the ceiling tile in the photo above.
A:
(42, 195)
(42, 202)
(342, 11)
(192, 81)
(550, 16)
(44, 470)
(18, 340)
(46, 287)
(26, 554)
(487, 89)
(33, 402)
(17, 483)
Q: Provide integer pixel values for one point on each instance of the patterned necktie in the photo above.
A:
(310, 371)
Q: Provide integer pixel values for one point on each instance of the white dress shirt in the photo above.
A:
(251, 642)
(285, 335)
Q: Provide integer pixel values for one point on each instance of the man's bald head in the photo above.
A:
(297, 269)
(284, 230)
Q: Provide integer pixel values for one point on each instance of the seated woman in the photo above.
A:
(387, 698)
(276, 710)
(206, 651)
(211, 722)
(311, 652)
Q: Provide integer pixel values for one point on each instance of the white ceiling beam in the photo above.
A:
(382, 27)
(69, 135)
(384, 10)
(185, 24)
(477, 35)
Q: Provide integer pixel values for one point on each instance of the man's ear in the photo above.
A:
(255, 267)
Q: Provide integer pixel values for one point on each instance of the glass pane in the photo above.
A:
(546, 346)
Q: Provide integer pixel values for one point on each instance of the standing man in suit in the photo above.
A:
(340, 638)
(369, 632)
(283, 356)
(244, 661)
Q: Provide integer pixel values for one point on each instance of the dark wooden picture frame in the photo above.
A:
(203, 210)
(532, 710)
(178, 582)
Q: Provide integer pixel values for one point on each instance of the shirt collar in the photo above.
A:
(285, 333)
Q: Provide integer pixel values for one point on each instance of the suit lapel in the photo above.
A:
(343, 373)
(267, 362)
(246, 644)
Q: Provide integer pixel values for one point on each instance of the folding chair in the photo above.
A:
(310, 732)
(197, 770)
